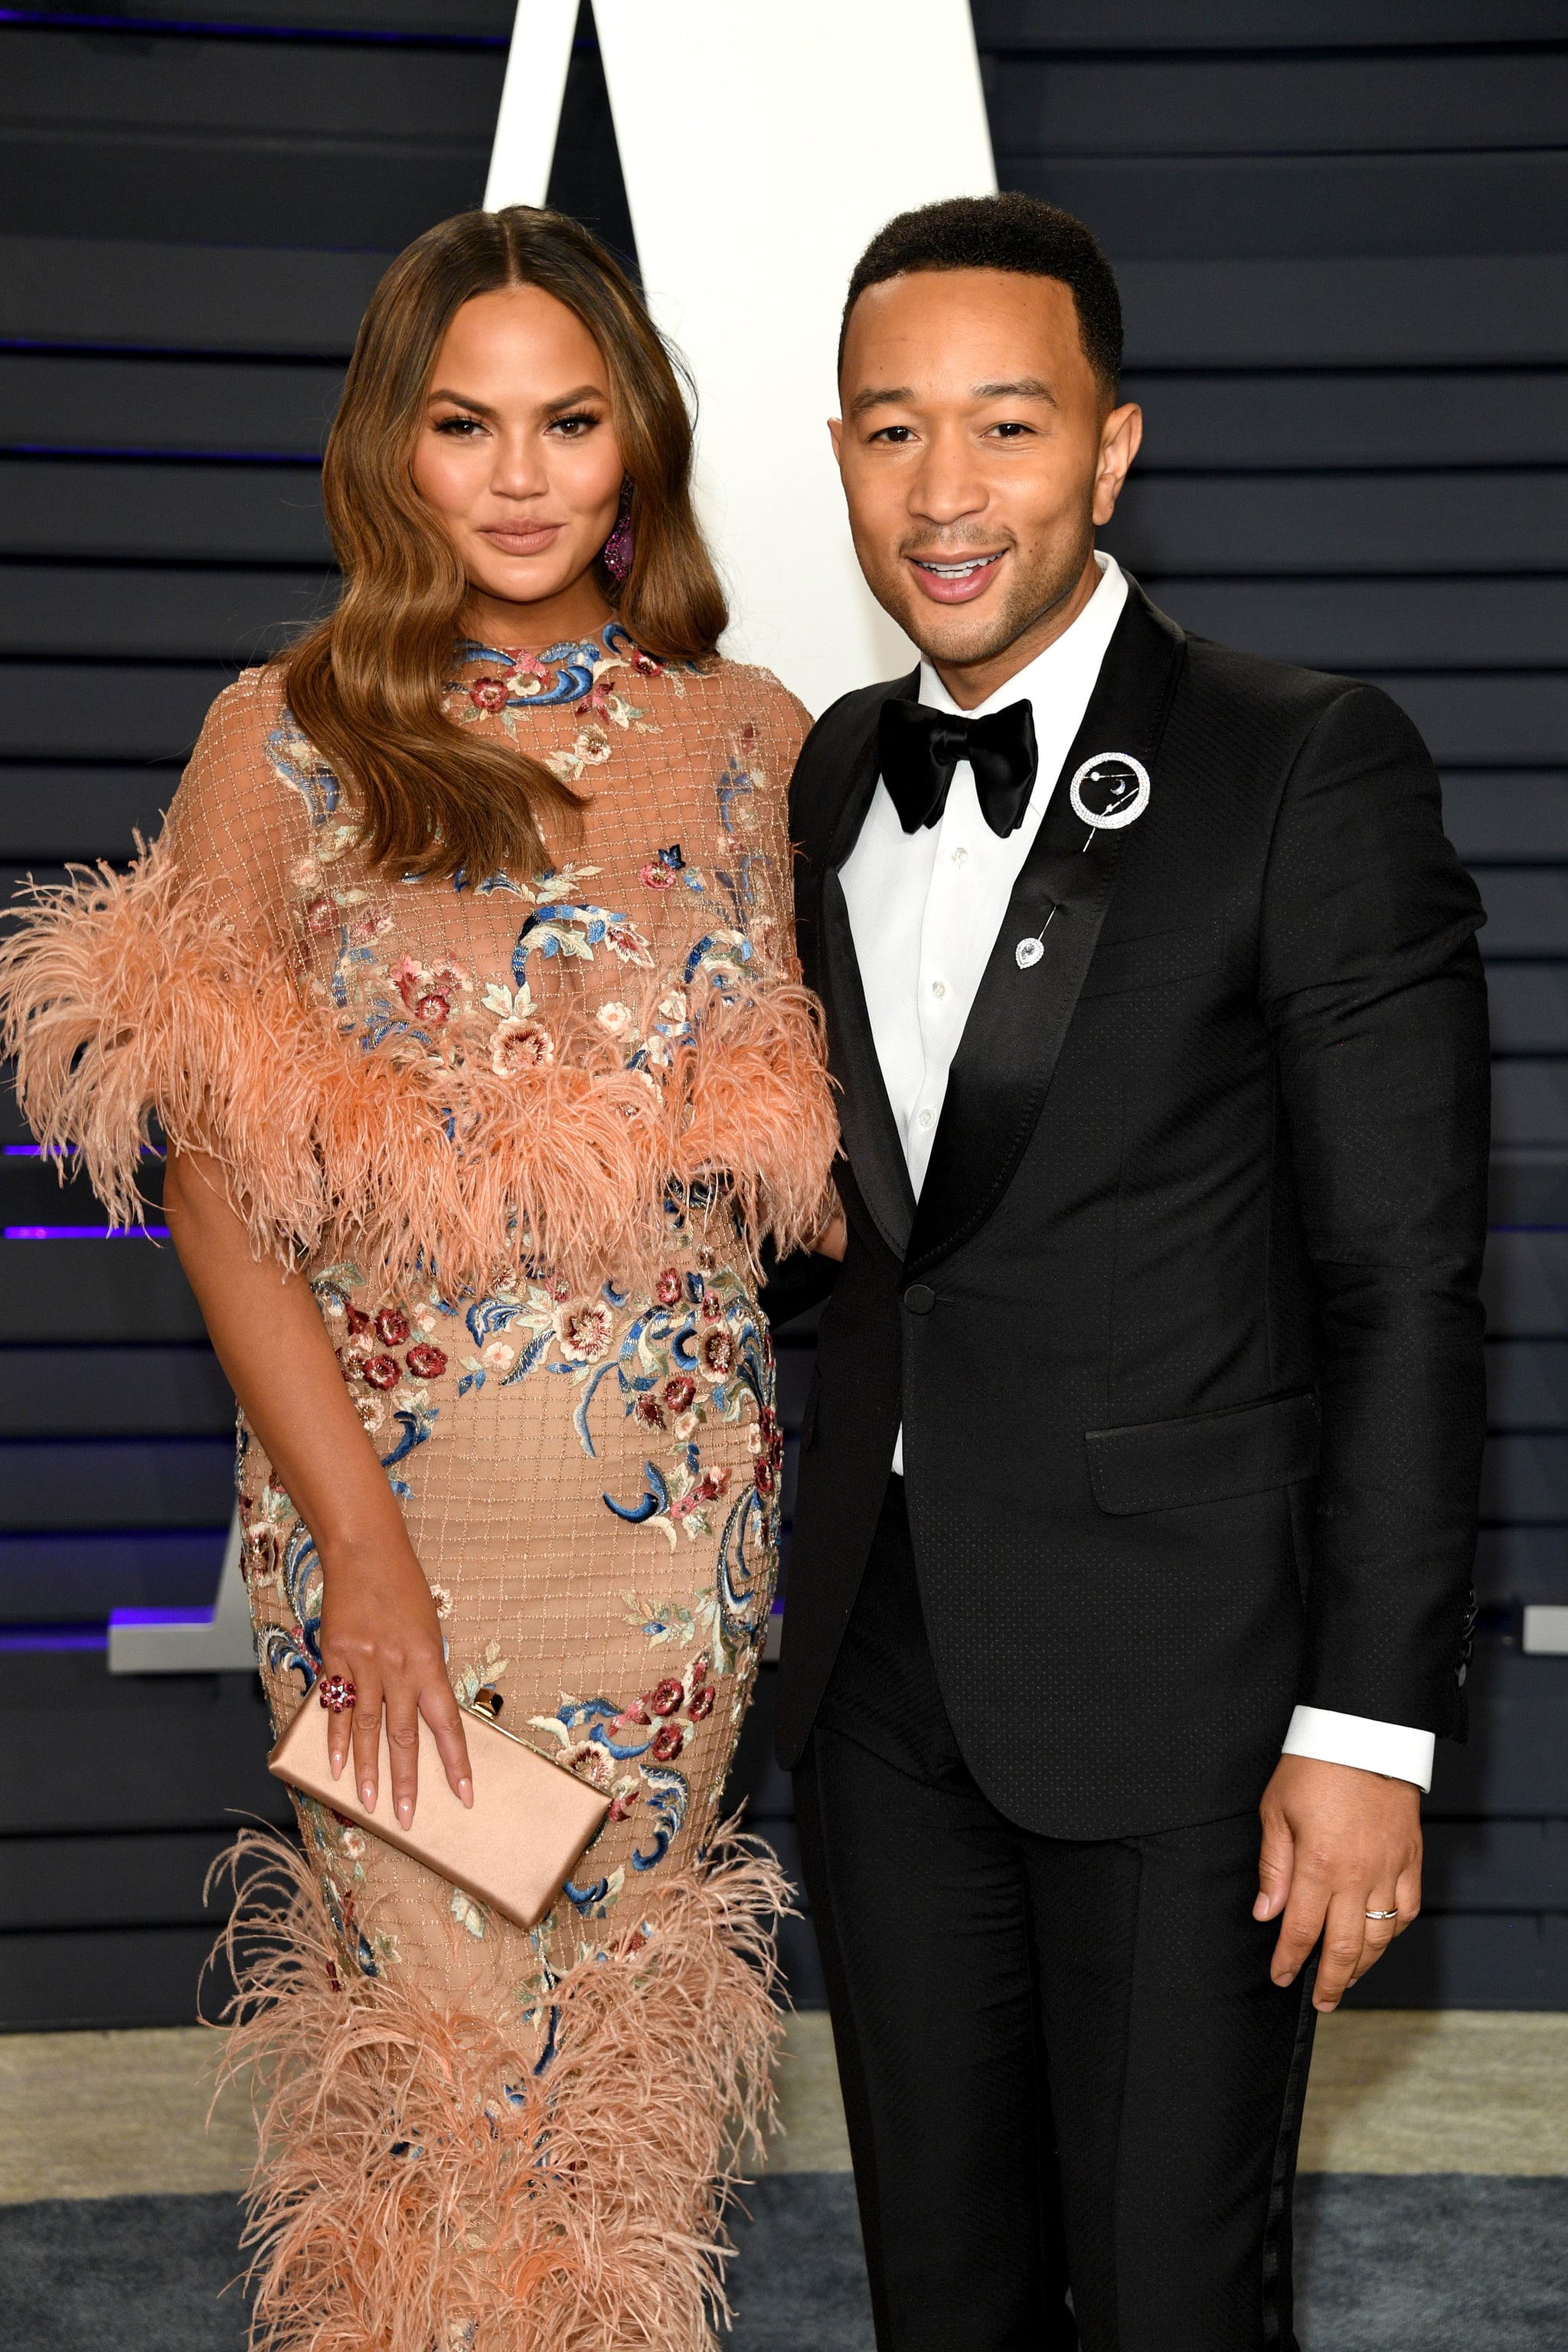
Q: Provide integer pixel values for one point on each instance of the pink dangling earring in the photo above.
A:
(617, 549)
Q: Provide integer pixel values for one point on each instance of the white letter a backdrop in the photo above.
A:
(762, 146)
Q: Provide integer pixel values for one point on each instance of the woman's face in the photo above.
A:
(517, 457)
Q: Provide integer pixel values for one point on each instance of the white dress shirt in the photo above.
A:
(925, 909)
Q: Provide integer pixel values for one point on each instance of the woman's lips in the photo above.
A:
(522, 539)
(957, 581)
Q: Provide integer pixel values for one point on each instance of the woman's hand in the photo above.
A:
(833, 1238)
(378, 1620)
(379, 1628)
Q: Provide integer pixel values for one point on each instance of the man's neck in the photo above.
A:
(971, 683)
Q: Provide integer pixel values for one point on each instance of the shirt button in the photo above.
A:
(961, 857)
(939, 988)
(927, 1116)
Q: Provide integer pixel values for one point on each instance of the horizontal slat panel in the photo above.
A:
(66, 711)
(1527, 1384)
(1182, 209)
(215, 614)
(204, 514)
(1517, 1565)
(127, 1290)
(1068, 25)
(1497, 818)
(1527, 915)
(1471, 1960)
(1503, 717)
(1528, 1002)
(93, 400)
(1530, 1101)
(78, 1580)
(117, 1482)
(32, 1192)
(178, 1392)
(1466, 416)
(83, 811)
(324, 91)
(279, 189)
(1520, 1564)
(449, 20)
(1502, 308)
(1496, 1866)
(1527, 1185)
(1515, 1760)
(1359, 624)
(58, 1980)
(84, 1750)
(183, 297)
(1526, 1285)
(140, 1879)
(1207, 107)
(1462, 522)
(1525, 1480)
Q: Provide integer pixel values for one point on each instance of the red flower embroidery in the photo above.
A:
(426, 1362)
(702, 1700)
(668, 1743)
(678, 1394)
(636, 1713)
(764, 1477)
(665, 1697)
(649, 1410)
(433, 1008)
(715, 1353)
(358, 1321)
(713, 1310)
(620, 1807)
(321, 916)
(383, 1371)
(657, 878)
(644, 664)
(667, 1289)
(488, 694)
(392, 1327)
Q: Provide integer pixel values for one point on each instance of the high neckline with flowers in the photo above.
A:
(496, 683)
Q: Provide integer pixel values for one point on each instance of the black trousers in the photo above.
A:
(1066, 2071)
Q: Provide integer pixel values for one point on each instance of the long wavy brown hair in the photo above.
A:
(367, 684)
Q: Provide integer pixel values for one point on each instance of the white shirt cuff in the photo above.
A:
(1389, 1747)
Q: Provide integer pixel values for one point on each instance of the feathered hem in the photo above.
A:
(123, 1001)
(427, 2182)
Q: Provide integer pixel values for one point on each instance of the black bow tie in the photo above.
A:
(921, 747)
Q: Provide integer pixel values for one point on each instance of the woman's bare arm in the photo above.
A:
(378, 1620)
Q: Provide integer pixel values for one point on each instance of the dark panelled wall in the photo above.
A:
(1343, 243)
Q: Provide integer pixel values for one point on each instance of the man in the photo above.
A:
(1138, 1482)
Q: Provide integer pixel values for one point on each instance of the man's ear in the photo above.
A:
(1119, 436)
(836, 434)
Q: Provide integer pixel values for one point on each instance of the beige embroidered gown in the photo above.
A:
(524, 1134)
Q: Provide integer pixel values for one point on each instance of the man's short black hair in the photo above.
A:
(1007, 232)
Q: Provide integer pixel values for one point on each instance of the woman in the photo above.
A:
(461, 980)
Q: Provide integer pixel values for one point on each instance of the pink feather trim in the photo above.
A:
(417, 2176)
(121, 1000)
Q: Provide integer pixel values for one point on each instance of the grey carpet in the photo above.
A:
(1446, 2262)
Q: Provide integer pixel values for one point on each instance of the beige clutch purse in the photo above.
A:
(530, 1820)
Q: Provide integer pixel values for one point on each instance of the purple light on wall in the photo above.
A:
(161, 1617)
(17, 1638)
(86, 1232)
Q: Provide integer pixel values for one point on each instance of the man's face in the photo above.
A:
(978, 454)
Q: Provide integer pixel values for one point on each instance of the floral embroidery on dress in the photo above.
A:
(574, 673)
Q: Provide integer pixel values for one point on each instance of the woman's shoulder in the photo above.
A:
(746, 695)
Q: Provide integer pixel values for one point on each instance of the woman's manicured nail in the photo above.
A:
(367, 1796)
(466, 1791)
(405, 1811)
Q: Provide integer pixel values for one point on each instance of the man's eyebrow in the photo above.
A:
(881, 396)
(1026, 388)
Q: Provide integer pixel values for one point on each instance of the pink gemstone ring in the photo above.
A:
(337, 1694)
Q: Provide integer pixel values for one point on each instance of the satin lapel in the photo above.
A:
(1008, 1056)
(870, 1134)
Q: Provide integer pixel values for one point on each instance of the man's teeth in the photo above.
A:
(959, 571)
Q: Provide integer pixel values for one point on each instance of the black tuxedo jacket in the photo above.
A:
(1184, 1333)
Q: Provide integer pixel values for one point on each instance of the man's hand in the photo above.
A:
(1337, 1843)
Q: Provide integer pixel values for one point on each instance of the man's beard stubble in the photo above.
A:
(957, 633)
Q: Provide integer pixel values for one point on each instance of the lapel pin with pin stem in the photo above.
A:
(1109, 792)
